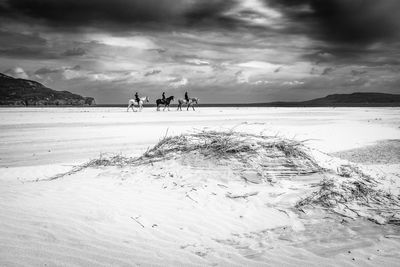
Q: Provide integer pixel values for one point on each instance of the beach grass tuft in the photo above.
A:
(271, 156)
(355, 193)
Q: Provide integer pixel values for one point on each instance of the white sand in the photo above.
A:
(38, 136)
(169, 214)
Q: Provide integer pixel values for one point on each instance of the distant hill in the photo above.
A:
(355, 98)
(344, 100)
(21, 92)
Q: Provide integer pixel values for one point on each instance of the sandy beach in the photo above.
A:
(186, 208)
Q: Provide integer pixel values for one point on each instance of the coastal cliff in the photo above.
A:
(21, 92)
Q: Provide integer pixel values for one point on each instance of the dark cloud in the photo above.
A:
(28, 52)
(9, 39)
(20, 45)
(353, 54)
(327, 71)
(91, 12)
(158, 50)
(72, 14)
(358, 72)
(152, 72)
(343, 54)
(76, 67)
(238, 74)
(211, 13)
(344, 21)
(76, 51)
(45, 70)
(319, 57)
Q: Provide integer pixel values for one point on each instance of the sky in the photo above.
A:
(222, 51)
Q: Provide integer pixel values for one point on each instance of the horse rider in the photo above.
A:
(186, 96)
(163, 97)
(137, 99)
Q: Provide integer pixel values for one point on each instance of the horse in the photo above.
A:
(132, 103)
(189, 103)
(166, 102)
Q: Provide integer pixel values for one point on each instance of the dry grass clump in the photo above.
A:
(116, 160)
(226, 144)
(332, 192)
(356, 192)
(269, 155)
(207, 143)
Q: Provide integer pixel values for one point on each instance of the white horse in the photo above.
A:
(133, 103)
(189, 103)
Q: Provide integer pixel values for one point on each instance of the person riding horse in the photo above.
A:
(186, 97)
(137, 99)
(163, 97)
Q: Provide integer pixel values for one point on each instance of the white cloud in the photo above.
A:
(260, 14)
(17, 72)
(260, 65)
(196, 61)
(71, 74)
(100, 77)
(139, 42)
(255, 72)
(293, 83)
(260, 82)
(177, 82)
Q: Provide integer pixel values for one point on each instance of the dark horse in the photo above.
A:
(166, 102)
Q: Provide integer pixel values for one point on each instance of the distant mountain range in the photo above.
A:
(345, 100)
(355, 98)
(21, 92)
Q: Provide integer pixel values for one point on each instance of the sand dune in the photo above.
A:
(184, 211)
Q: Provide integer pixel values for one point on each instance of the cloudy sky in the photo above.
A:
(219, 50)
